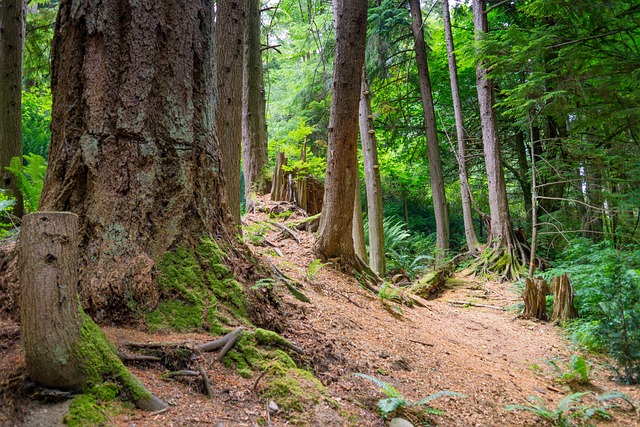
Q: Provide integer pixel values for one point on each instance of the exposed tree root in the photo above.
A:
(502, 262)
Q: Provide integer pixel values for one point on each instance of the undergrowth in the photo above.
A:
(606, 281)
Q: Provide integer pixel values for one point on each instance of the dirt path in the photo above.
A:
(489, 355)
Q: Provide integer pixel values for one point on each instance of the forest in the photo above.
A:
(324, 213)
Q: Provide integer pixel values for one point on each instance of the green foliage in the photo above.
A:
(576, 372)
(6, 217)
(614, 395)
(607, 287)
(30, 178)
(568, 413)
(407, 252)
(313, 269)
(396, 403)
(36, 121)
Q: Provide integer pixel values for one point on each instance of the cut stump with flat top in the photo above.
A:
(563, 307)
(63, 348)
(535, 299)
(49, 315)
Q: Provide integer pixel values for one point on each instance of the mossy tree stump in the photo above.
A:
(64, 349)
(563, 307)
(535, 299)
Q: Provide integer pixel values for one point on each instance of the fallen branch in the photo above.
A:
(126, 357)
(285, 230)
(181, 373)
(275, 248)
(205, 379)
(231, 341)
(473, 304)
(290, 284)
(220, 342)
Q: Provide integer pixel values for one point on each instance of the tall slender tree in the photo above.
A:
(372, 181)
(230, 31)
(465, 190)
(358, 227)
(12, 18)
(435, 164)
(133, 150)
(507, 256)
(255, 153)
(334, 235)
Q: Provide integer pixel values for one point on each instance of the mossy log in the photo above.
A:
(64, 349)
(563, 307)
(535, 299)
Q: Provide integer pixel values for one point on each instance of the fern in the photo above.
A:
(567, 410)
(313, 269)
(577, 370)
(30, 178)
(396, 402)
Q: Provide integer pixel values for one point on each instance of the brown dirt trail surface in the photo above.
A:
(491, 356)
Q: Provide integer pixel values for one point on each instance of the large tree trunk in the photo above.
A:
(435, 165)
(230, 31)
(505, 255)
(334, 235)
(372, 181)
(12, 22)
(498, 206)
(133, 149)
(63, 348)
(255, 155)
(465, 190)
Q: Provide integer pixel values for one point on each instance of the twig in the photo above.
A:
(473, 304)
(420, 342)
(285, 230)
(275, 248)
(268, 416)
(205, 379)
(255, 384)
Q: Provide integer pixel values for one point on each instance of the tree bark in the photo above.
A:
(535, 301)
(498, 206)
(563, 307)
(63, 348)
(465, 190)
(334, 236)
(358, 227)
(49, 296)
(255, 155)
(133, 150)
(435, 164)
(372, 181)
(12, 27)
(230, 32)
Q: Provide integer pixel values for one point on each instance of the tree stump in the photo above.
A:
(64, 349)
(535, 301)
(278, 184)
(563, 308)
(49, 316)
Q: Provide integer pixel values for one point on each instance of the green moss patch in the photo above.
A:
(95, 406)
(292, 388)
(198, 292)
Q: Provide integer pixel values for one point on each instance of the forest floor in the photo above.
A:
(492, 356)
